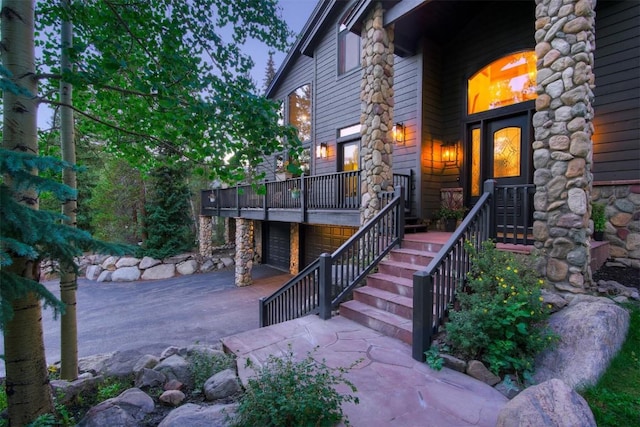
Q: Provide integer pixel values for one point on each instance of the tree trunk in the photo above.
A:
(27, 382)
(68, 277)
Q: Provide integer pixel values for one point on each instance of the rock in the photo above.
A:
(127, 262)
(454, 363)
(613, 288)
(207, 266)
(553, 299)
(477, 370)
(94, 364)
(126, 274)
(146, 361)
(146, 378)
(172, 397)
(508, 387)
(227, 261)
(203, 350)
(67, 391)
(93, 272)
(105, 276)
(109, 263)
(551, 403)
(169, 351)
(161, 271)
(199, 416)
(121, 363)
(176, 368)
(148, 262)
(177, 259)
(126, 410)
(591, 330)
(223, 384)
(173, 385)
(188, 267)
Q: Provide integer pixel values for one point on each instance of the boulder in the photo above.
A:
(160, 271)
(128, 409)
(67, 391)
(110, 263)
(146, 361)
(592, 331)
(94, 364)
(93, 272)
(105, 276)
(126, 274)
(121, 363)
(227, 261)
(127, 262)
(172, 397)
(552, 403)
(146, 378)
(176, 368)
(148, 262)
(221, 385)
(199, 416)
(477, 370)
(187, 267)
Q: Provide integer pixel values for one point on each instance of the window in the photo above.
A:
(509, 80)
(348, 50)
(300, 111)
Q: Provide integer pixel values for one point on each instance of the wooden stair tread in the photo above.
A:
(414, 252)
(386, 295)
(379, 315)
(391, 278)
(405, 265)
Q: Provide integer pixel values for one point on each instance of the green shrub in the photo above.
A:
(111, 387)
(502, 320)
(287, 393)
(203, 365)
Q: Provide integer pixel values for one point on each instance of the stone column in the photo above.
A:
(205, 236)
(376, 118)
(244, 251)
(562, 157)
(294, 267)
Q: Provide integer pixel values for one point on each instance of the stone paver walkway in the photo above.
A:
(394, 389)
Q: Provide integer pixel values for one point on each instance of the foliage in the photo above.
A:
(122, 221)
(111, 387)
(204, 364)
(451, 213)
(171, 82)
(615, 399)
(167, 221)
(291, 393)
(32, 233)
(433, 358)
(598, 216)
(502, 319)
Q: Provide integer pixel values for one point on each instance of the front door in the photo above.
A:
(501, 150)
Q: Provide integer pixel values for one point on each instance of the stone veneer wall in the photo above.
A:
(205, 236)
(376, 118)
(563, 150)
(622, 201)
(244, 251)
(294, 256)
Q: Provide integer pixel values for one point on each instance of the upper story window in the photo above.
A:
(509, 80)
(348, 50)
(300, 111)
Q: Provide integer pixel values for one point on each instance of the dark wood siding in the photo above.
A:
(617, 93)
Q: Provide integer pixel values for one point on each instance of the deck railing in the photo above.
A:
(329, 280)
(493, 217)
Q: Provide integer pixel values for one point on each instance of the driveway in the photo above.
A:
(152, 315)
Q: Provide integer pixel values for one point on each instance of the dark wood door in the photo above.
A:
(277, 245)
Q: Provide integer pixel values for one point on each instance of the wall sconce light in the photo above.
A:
(398, 133)
(449, 153)
(212, 196)
(321, 151)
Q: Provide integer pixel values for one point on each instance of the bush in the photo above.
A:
(289, 393)
(203, 365)
(502, 320)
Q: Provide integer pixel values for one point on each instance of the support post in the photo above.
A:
(490, 187)
(422, 314)
(325, 286)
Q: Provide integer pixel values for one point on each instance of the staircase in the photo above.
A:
(385, 304)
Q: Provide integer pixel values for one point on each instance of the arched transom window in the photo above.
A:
(506, 81)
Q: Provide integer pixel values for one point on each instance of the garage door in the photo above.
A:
(323, 238)
(277, 246)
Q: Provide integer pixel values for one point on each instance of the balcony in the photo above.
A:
(322, 199)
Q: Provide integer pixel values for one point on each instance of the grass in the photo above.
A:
(615, 399)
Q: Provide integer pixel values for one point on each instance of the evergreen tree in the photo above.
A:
(167, 222)
(270, 72)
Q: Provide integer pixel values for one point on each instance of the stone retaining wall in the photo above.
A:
(622, 230)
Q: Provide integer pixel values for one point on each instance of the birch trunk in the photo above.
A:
(27, 381)
(68, 277)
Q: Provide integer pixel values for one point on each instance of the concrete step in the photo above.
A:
(382, 321)
(393, 284)
(384, 300)
(412, 256)
(398, 269)
(410, 241)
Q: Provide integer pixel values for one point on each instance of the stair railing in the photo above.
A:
(434, 288)
(329, 280)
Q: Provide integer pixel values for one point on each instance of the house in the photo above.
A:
(440, 96)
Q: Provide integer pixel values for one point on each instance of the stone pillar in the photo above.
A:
(294, 258)
(562, 156)
(376, 118)
(205, 236)
(244, 251)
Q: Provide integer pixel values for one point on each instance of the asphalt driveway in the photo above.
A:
(152, 315)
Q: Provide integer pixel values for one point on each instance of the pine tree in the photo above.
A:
(270, 72)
